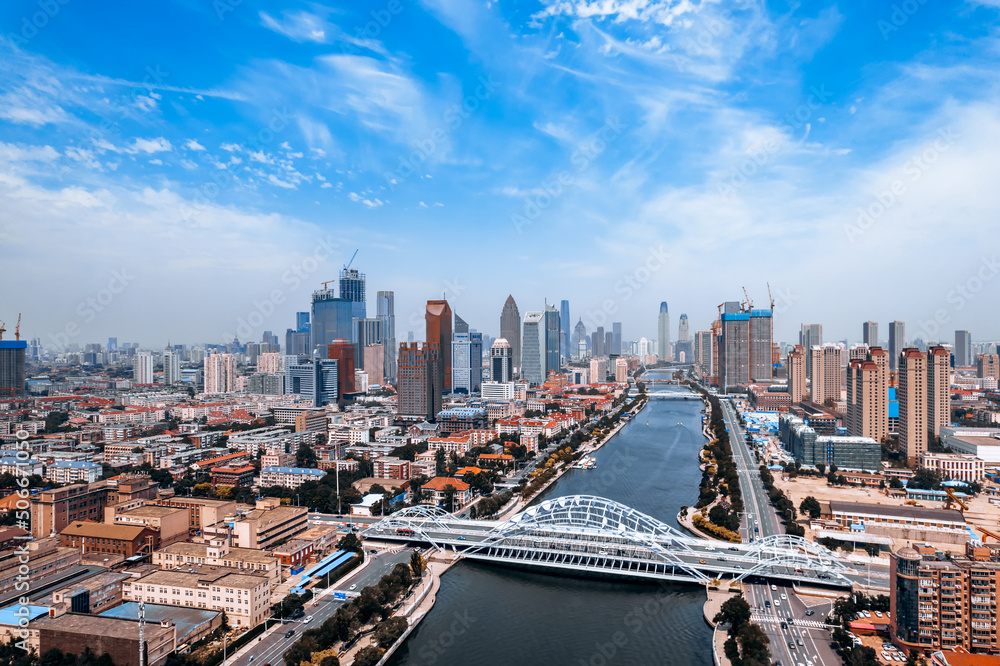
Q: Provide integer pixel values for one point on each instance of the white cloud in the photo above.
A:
(157, 145)
(157, 162)
(297, 26)
(192, 144)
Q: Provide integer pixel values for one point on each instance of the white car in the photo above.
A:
(783, 596)
(878, 613)
(309, 618)
(777, 602)
(886, 656)
(866, 613)
(774, 588)
(354, 587)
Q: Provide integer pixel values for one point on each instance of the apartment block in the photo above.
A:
(244, 597)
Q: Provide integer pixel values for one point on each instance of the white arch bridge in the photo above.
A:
(587, 534)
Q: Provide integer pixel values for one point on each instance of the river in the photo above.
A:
(487, 615)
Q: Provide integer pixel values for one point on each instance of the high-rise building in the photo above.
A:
(609, 343)
(302, 321)
(332, 319)
(269, 341)
(826, 362)
(663, 333)
(761, 345)
(270, 362)
(938, 390)
(810, 336)
(12, 372)
(702, 350)
(439, 326)
(564, 323)
(385, 309)
(911, 391)
(501, 361)
(598, 348)
(533, 348)
(869, 333)
(510, 330)
(367, 331)
(374, 364)
(734, 350)
(897, 341)
(467, 362)
(352, 288)
(598, 370)
(868, 396)
(142, 368)
(342, 351)
(988, 365)
(171, 367)
(963, 349)
(112, 344)
(621, 370)
(616, 330)
(220, 373)
(461, 327)
(417, 382)
(553, 328)
(316, 380)
(796, 374)
(682, 328)
(579, 335)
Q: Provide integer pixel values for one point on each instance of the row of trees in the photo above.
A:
(747, 644)
(374, 604)
(720, 476)
(781, 502)
(12, 655)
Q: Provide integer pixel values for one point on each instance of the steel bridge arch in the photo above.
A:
(417, 518)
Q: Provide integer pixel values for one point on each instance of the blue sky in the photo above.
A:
(170, 171)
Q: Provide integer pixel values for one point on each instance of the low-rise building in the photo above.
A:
(294, 553)
(237, 476)
(218, 553)
(124, 540)
(243, 596)
(73, 633)
(960, 466)
(436, 491)
(92, 595)
(277, 459)
(289, 477)
(45, 558)
(390, 467)
(171, 524)
(902, 522)
(68, 471)
(202, 512)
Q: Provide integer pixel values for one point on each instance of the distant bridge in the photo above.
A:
(582, 533)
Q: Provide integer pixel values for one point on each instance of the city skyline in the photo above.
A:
(173, 196)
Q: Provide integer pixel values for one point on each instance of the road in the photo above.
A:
(270, 648)
(816, 645)
(757, 505)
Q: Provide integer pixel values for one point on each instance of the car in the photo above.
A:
(298, 613)
(701, 561)
(774, 588)
(289, 633)
(799, 641)
(886, 656)
(866, 613)
(373, 551)
(734, 548)
(767, 603)
(783, 596)
(791, 620)
(810, 612)
(784, 625)
(737, 566)
(309, 618)
(461, 537)
(777, 602)
(898, 657)
(791, 645)
(353, 587)
(878, 614)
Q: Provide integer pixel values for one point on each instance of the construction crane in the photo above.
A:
(988, 533)
(952, 497)
(348, 264)
(17, 329)
(326, 283)
(749, 303)
(2, 329)
(770, 297)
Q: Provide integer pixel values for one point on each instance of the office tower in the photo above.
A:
(564, 323)
(263, 383)
(385, 306)
(12, 373)
(963, 349)
(869, 333)
(911, 392)
(868, 396)
(616, 330)
(220, 373)
(271, 363)
(988, 365)
(810, 336)
(581, 350)
(553, 328)
(112, 344)
(461, 327)
(761, 345)
(609, 343)
(501, 361)
(510, 330)
(34, 349)
(270, 340)
(367, 331)
(142, 368)
(302, 321)
(598, 349)
(352, 288)
(663, 333)
(580, 335)
(594, 344)
(439, 326)
(897, 341)
(467, 362)
(702, 350)
(532, 348)
(418, 373)
(374, 364)
(682, 328)
(796, 374)
(342, 351)
(253, 351)
(296, 342)
(598, 370)
(734, 350)
(332, 319)
(171, 367)
(938, 390)
(621, 370)
(317, 380)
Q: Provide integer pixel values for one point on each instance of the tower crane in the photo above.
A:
(348, 264)
(749, 303)
(770, 297)
(17, 329)
(2, 329)
(988, 533)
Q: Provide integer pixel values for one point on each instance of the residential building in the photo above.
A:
(438, 321)
(236, 476)
(220, 373)
(938, 390)
(288, 477)
(12, 373)
(243, 596)
(417, 383)
(988, 365)
(911, 391)
(734, 350)
(761, 343)
(436, 491)
(124, 540)
(810, 335)
(171, 367)
(375, 363)
(868, 396)
(958, 466)
(796, 368)
(53, 510)
(73, 471)
(389, 467)
(142, 368)
(621, 371)
(702, 351)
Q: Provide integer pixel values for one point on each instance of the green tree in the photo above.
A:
(449, 498)
(387, 632)
(350, 542)
(735, 611)
(440, 466)
(330, 660)
(368, 656)
(926, 479)
(305, 456)
(810, 506)
(417, 564)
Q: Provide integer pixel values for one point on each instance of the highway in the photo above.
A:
(271, 647)
(757, 505)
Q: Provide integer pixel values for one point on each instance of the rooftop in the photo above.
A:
(914, 512)
(104, 530)
(99, 625)
(186, 619)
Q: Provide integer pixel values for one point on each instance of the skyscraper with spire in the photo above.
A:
(510, 330)
(663, 333)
